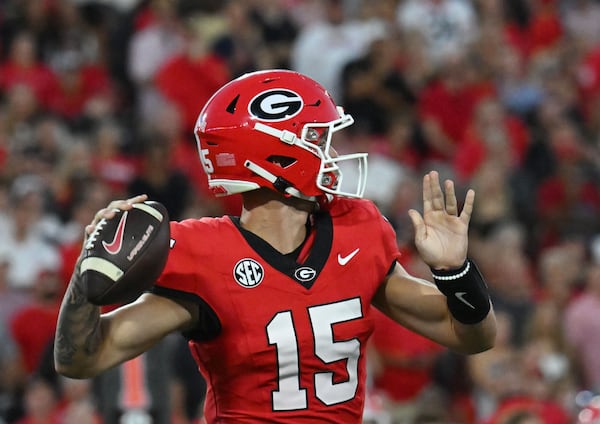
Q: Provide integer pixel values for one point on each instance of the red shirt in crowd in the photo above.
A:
(39, 77)
(452, 110)
(548, 412)
(588, 77)
(472, 151)
(78, 87)
(33, 328)
(545, 28)
(407, 358)
(189, 84)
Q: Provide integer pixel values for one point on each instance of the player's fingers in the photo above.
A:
(101, 214)
(437, 197)
(467, 210)
(89, 229)
(125, 204)
(418, 224)
(112, 208)
(451, 204)
(137, 199)
(427, 205)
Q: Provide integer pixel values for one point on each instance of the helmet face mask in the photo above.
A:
(274, 129)
(318, 137)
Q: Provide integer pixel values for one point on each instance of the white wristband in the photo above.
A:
(455, 276)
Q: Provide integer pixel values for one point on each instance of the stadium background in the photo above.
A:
(98, 100)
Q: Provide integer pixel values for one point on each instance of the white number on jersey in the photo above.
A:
(282, 333)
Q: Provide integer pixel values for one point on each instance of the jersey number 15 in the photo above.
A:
(282, 333)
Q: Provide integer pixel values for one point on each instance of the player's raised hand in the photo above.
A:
(109, 211)
(441, 233)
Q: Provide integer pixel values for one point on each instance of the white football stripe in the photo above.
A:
(102, 266)
(149, 210)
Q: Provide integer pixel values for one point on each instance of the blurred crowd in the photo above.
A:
(98, 99)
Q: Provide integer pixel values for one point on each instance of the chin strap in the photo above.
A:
(280, 184)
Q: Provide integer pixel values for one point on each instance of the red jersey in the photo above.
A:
(288, 334)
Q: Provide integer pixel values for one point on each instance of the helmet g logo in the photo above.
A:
(275, 105)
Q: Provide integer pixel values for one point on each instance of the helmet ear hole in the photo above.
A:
(283, 161)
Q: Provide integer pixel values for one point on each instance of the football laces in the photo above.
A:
(94, 236)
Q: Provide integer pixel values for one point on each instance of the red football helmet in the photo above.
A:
(273, 129)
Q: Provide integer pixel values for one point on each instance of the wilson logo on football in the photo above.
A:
(140, 244)
(276, 105)
(248, 273)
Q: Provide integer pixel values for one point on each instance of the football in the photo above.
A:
(124, 255)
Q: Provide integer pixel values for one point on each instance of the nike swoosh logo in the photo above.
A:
(461, 296)
(343, 260)
(115, 245)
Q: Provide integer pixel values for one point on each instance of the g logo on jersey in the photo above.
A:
(305, 274)
(248, 273)
(276, 105)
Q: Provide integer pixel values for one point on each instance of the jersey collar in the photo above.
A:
(305, 272)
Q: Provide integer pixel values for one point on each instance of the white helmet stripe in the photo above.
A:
(286, 136)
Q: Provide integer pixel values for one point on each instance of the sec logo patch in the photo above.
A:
(248, 273)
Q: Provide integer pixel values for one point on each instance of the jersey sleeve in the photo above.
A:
(388, 239)
(180, 279)
(178, 273)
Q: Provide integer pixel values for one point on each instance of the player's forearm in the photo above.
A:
(419, 305)
(78, 334)
(476, 338)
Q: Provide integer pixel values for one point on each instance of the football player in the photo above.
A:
(276, 303)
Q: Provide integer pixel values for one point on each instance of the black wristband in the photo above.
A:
(466, 292)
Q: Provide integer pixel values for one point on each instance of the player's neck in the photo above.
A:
(279, 221)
